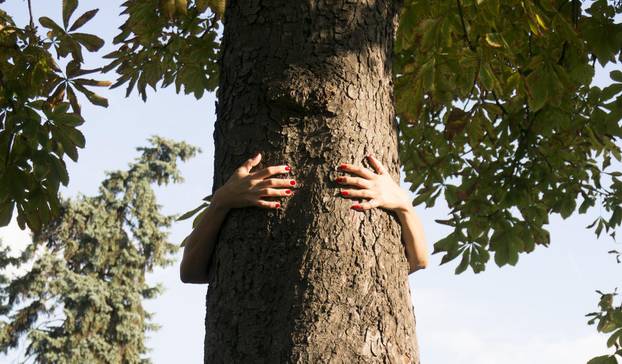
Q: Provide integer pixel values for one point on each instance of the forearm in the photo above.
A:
(414, 239)
(200, 245)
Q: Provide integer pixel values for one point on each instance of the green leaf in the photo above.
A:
(97, 100)
(197, 219)
(50, 24)
(60, 169)
(69, 119)
(75, 136)
(450, 242)
(83, 19)
(69, 6)
(190, 213)
(71, 95)
(91, 42)
(6, 212)
(616, 75)
(568, 205)
(538, 89)
(615, 338)
(504, 244)
(464, 263)
(486, 77)
(604, 359)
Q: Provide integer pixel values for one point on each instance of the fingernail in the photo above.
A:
(288, 192)
(340, 179)
(343, 166)
(278, 205)
(287, 168)
(292, 182)
(357, 207)
(344, 193)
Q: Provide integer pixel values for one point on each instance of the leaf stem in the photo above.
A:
(466, 35)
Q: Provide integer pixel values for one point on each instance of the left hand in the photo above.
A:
(379, 189)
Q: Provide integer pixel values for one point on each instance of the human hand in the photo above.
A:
(245, 188)
(379, 189)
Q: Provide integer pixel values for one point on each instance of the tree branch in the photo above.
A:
(32, 22)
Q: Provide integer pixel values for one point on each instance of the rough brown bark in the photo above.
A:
(308, 83)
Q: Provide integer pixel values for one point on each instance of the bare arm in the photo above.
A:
(380, 190)
(242, 189)
(200, 245)
(414, 239)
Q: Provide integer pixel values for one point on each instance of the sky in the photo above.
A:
(531, 313)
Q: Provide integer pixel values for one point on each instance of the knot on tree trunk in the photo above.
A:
(303, 91)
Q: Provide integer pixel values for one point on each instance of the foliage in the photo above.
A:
(81, 300)
(39, 109)
(169, 41)
(37, 128)
(498, 113)
(609, 322)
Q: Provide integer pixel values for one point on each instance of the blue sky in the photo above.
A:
(531, 313)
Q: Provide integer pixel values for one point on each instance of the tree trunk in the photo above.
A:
(308, 83)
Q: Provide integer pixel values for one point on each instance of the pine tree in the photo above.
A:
(81, 301)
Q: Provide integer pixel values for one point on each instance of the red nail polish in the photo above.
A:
(344, 193)
(278, 205)
(357, 207)
(292, 182)
(287, 168)
(287, 192)
(343, 166)
(340, 179)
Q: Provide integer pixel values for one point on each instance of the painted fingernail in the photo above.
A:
(357, 207)
(292, 182)
(288, 192)
(343, 166)
(340, 179)
(344, 193)
(277, 205)
(287, 168)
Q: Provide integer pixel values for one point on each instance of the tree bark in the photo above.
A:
(308, 83)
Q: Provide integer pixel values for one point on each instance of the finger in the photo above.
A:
(357, 193)
(271, 171)
(276, 182)
(361, 171)
(353, 181)
(273, 192)
(367, 205)
(251, 162)
(268, 204)
(376, 164)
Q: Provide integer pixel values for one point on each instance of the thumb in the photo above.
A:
(252, 162)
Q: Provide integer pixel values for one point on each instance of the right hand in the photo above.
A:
(244, 189)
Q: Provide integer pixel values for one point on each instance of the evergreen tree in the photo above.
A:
(81, 301)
